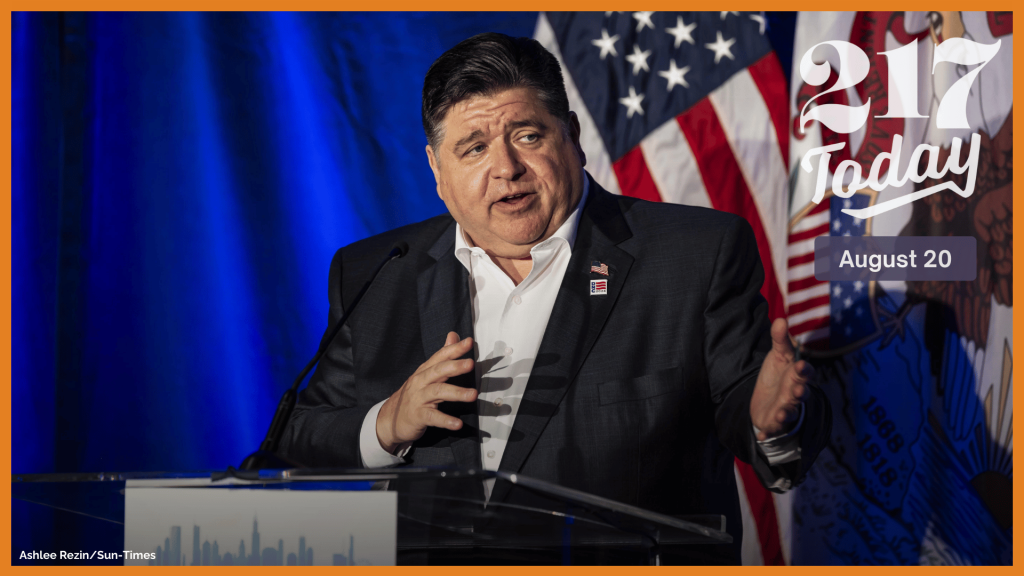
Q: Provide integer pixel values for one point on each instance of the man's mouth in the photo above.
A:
(514, 198)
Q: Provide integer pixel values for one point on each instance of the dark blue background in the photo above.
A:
(181, 182)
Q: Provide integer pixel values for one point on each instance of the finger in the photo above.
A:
(441, 392)
(802, 381)
(789, 402)
(437, 419)
(449, 351)
(799, 373)
(798, 391)
(451, 339)
(780, 339)
(786, 415)
(442, 371)
(788, 408)
(798, 379)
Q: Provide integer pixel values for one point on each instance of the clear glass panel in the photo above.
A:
(443, 517)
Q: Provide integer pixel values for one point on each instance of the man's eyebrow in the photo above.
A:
(528, 123)
(475, 134)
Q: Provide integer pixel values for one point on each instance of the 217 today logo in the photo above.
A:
(854, 66)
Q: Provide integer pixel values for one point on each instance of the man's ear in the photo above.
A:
(435, 168)
(574, 134)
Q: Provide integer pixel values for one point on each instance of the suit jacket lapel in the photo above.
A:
(576, 320)
(444, 304)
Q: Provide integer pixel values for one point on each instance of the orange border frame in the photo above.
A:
(393, 5)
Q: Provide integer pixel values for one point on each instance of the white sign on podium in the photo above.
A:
(194, 524)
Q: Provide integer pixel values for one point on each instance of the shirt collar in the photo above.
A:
(567, 231)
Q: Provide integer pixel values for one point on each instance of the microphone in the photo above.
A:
(267, 451)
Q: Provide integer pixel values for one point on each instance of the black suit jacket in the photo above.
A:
(627, 387)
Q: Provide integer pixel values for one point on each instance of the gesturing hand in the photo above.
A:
(405, 416)
(782, 386)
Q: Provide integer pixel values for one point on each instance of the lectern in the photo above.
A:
(442, 516)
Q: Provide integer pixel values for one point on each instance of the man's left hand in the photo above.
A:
(782, 386)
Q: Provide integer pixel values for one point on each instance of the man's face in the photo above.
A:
(507, 170)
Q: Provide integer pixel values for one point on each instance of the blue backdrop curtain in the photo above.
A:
(181, 182)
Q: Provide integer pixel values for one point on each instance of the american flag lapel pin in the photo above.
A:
(598, 287)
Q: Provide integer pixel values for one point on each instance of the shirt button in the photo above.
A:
(490, 453)
(517, 300)
(498, 402)
(508, 351)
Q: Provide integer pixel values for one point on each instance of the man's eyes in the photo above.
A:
(530, 138)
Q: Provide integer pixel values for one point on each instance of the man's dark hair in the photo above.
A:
(485, 65)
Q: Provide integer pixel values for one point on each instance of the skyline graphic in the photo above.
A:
(208, 554)
(201, 526)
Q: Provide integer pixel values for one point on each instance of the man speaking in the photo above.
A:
(547, 327)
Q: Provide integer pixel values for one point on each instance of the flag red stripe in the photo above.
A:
(809, 325)
(762, 507)
(812, 233)
(767, 74)
(798, 307)
(727, 188)
(801, 259)
(819, 208)
(804, 283)
(634, 177)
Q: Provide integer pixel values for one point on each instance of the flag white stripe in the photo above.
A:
(599, 164)
(801, 271)
(819, 312)
(673, 166)
(784, 514)
(801, 247)
(751, 133)
(801, 278)
(812, 221)
(807, 293)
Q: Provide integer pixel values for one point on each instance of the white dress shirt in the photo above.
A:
(508, 324)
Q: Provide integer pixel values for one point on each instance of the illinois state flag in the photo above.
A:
(920, 464)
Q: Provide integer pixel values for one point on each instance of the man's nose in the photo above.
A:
(506, 162)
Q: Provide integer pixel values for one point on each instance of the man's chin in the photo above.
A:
(525, 230)
(521, 246)
(512, 245)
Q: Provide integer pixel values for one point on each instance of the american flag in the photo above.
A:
(822, 314)
(690, 108)
(808, 297)
(599, 268)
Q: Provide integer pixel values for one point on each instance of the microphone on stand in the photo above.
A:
(266, 455)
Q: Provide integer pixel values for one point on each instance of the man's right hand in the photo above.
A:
(405, 416)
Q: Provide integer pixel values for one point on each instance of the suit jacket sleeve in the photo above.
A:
(736, 341)
(324, 428)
